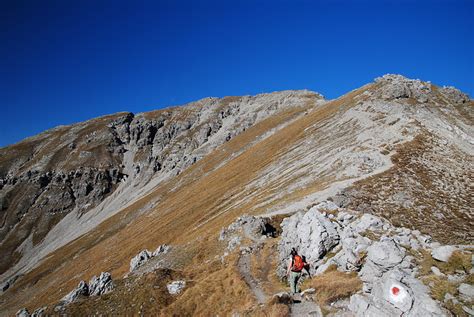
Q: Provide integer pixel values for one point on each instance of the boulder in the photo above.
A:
(454, 94)
(365, 306)
(396, 293)
(176, 287)
(101, 285)
(466, 291)
(23, 313)
(391, 289)
(385, 253)
(443, 253)
(367, 222)
(436, 271)
(8, 283)
(283, 298)
(81, 289)
(139, 259)
(311, 233)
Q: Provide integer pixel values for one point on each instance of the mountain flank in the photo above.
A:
(79, 200)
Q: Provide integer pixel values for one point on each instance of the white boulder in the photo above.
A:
(176, 287)
(443, 253)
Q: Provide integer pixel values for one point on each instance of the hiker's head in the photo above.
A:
(293, 252)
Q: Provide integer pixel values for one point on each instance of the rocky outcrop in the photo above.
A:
(8, 283)
(101, 285)
(72, 169)
(96, 287)
(311, 233)
(39, 312)
(82, 289)
(139, 259)
(399, 87)
(145, 255)
(23, 313)
(250, 226)
(372, 247)
(176, 287)
(454, 95)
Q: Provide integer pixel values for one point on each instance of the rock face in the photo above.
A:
(312, 234)
(397, 86)
(72, 169)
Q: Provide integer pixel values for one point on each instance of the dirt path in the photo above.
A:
(254, 284)
(305, 308)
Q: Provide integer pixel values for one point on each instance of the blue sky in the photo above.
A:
(67, 61)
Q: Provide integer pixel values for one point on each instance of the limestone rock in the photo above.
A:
(454, 95)
(385, 253)
(466, 291)
(391, 289)
(443, 253)
(39, 312)
(139, 259)
(23, 313)
(312, 234)
(367, 222)
(162, 249)
(399, 87)
(176, 287)
(394, 294)
(81, 289)
(101, 285)
(8, 283)
(436, 271)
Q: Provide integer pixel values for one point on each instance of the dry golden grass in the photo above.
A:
(221, 290)
(440, 285)
(459, 261)
(334, 285)
(455, 225)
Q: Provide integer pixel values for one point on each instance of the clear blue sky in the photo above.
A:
(67, 61)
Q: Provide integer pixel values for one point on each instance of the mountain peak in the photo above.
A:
(395, 86)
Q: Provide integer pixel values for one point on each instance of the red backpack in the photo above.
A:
(298, 264)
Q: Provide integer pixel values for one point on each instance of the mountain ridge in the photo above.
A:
(271, 153)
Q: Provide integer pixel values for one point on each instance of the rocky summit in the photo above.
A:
(373, 188)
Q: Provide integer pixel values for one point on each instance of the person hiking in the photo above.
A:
(296, 264)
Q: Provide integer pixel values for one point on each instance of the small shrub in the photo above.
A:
(439, 287)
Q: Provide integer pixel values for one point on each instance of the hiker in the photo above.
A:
(296, 264)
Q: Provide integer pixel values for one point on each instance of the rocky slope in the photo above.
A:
(71, 170)
(397, 148)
